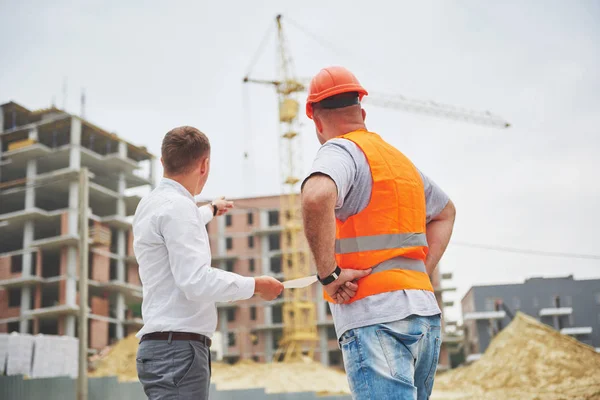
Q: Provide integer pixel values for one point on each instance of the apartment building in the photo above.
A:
(41, 154)
(248, 241)
(568, 305)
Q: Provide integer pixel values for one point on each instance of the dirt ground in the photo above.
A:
(527, 361)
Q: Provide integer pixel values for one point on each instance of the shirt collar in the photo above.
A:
(166, 182)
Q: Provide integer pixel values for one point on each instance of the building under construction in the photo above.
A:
(41, 155)
(248, 241)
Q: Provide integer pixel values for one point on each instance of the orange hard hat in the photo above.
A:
(329, 82)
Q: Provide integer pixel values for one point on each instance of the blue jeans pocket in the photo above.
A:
(434, 363)
(400, 351)
(346, 338)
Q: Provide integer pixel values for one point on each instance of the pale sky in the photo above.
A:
(148, 66)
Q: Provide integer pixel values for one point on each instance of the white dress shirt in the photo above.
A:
(171, 246)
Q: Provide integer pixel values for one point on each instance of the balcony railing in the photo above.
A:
(484, 315)
(556, 311)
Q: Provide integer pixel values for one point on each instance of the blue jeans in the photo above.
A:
(395, 360)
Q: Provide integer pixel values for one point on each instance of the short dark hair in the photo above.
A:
(181, 147)
(341, 100)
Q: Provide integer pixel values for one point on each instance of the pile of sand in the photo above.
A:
(308, 376)
(118, 361)
(526, 360)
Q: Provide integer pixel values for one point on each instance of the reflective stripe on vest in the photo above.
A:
(380, 242)
(408, 264)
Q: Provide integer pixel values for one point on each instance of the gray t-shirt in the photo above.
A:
(345, 163)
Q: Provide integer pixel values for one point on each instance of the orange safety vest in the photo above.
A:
(392, 224)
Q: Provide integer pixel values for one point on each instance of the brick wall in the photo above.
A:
(133, 276)
(99, 329)
(100, 265)
(98, 334)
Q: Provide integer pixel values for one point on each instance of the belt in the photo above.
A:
(177, 336)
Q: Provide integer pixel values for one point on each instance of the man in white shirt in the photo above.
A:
(180, 288)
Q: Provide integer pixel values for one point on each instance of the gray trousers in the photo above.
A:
(177, 370)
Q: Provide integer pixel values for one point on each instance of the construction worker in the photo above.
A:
(180, 287)
(377, 228)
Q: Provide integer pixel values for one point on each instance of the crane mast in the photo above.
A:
(299, 317)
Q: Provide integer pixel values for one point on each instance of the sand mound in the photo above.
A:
(306, 376)
(118, 361)
(528, 360)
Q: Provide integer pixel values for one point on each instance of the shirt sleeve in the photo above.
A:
(206, 213)
(189, 258)
(435, 198)
(334, 160)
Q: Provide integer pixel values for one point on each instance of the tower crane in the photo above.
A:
(299, 316)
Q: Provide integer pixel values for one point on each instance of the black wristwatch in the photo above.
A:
(328, 279)
(215, 209)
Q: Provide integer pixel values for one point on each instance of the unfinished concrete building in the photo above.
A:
(41, 153)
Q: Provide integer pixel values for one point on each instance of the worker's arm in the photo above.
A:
(319, 197)
(189, 259)
(439, 230)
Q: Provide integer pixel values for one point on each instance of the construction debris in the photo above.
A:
(527, 360)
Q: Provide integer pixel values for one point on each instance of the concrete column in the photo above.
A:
(33, 133)
(221, 249)
(121, 305)
(28, 231)
(321, 306)
(1, 123)
(122, 147)
(73, 219)
(269, 346)
(71, 289)
(28, 237)
(224, 330)
(323, 345)
(268, 314)
(122, 185)
(75, 151)
(73, 223)
(71, 286)
(30, 189)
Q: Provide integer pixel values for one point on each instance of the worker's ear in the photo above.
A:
(364, 113)
(204, 165)
(318, 123)
(161, 162)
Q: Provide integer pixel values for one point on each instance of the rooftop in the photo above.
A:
(18, 117)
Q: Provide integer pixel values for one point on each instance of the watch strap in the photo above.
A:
(331, 278)
(215, 209)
